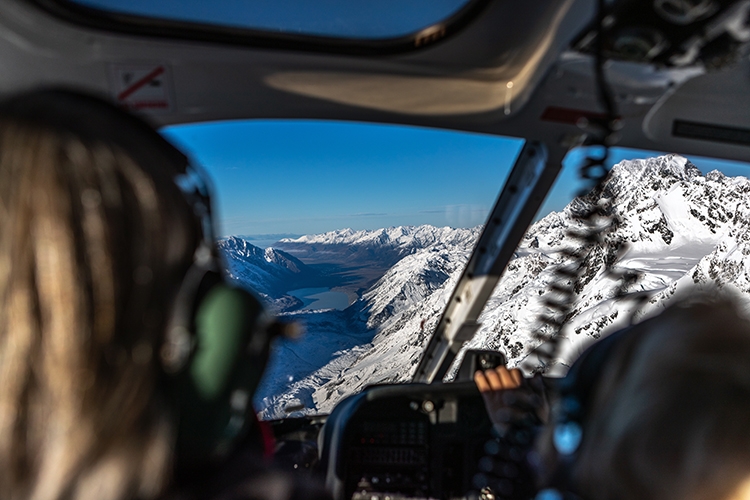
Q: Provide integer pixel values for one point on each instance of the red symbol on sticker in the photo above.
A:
(140, 83)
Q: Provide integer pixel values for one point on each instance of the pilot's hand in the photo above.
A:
(509, 397)
(496, 379)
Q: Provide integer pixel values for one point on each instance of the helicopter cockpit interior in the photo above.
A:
(568, 85)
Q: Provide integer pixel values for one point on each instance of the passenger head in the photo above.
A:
(669, 414)
(95, 238)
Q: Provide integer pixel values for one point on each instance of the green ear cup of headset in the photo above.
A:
(216, 388)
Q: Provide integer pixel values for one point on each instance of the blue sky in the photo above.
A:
(304, 177)
(310, 176)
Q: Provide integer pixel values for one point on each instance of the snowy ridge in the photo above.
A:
(404, 307)
(402, 237)
(353, 335)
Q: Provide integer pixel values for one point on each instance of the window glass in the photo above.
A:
(335, 18)
(358, 232)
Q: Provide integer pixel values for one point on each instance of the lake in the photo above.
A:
(320, 298)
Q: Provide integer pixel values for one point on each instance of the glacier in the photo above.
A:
(685, 232)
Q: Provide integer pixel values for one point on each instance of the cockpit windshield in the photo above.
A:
(360, 232)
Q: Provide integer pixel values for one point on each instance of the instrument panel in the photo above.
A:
(406, 441)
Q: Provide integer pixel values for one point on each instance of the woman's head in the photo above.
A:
(95, 237)
(670, 411)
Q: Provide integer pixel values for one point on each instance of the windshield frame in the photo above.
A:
(531, 178)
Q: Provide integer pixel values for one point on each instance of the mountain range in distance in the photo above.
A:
(684, 232)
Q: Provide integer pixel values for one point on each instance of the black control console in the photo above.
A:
(406, 441)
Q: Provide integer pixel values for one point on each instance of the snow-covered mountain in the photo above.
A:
(268, 272)
(403, 238)
(684, 231)
(336, 339)
(263, 269)
(372, 253)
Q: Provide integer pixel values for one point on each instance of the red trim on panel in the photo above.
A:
(140, 83)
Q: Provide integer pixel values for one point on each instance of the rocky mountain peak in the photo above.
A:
(666, 166)
(283, 259)
(240, 247)
(652, 174)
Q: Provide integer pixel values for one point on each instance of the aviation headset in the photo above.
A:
(575, 396)
(216, 345)
(218, 335)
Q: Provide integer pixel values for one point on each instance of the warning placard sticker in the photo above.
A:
(143, 87)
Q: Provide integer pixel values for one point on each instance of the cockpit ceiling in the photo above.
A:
(480, 70)
(501, 74)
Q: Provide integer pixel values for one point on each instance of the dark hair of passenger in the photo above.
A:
(95, 239)
(670, 417)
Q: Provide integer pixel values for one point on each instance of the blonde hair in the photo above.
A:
(94, 239)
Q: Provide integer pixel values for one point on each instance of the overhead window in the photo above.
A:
(334, 18)
(364, 27)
